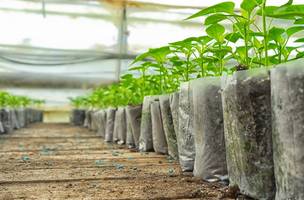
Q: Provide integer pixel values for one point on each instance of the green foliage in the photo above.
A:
(225, 7)
(249, 39)
(8, 100)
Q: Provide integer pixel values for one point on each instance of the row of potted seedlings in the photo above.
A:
(17, 112)
(247, 126)
(241, 123)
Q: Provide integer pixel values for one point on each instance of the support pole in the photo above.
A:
(122, 40)
(43, 9)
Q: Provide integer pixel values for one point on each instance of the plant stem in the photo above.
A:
(246, 28)
(202, 69)
(163, 78)
(221, 60)
(187, 68)
(260, 58)
(160, 81)
(265, 32)
(144, 83)
(280, 54)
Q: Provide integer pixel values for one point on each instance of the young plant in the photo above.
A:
(158, 60)
(12, 101)
(182, 63)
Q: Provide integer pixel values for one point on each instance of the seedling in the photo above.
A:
(244, 40)
(11, 101)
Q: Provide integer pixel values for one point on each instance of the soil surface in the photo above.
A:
(59, 161)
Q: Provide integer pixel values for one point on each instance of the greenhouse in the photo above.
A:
(152, 99)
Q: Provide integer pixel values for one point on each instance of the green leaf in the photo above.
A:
(187, 43)
(233, 37)
(275, 33)
(256, 34)
(293, 30)
(299, 21)
(135, 68)
(284, 12)
(225, 7)
(204, 39)
(127, 76)
(241, 52)
(257, 43)
(274, 59)
(140, 57)
(259, 2)
(290, 2)
(213, 19)
(249, 5)
(216, 31)
(159, 54)
(291, 48)
(239, 27)
(272, 46)
(300, 40)
(300, 55)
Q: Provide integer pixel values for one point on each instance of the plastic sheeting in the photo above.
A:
(15, 122)
(95, 121)
(133, 114)
(130, 140)
(287, 86)
(6, 118)
(208, 127)
(168, 125)
(248, 132)
(1, 125)
(146, 139)
(21, 117)
(46, 52)
(110, 124)
(185, 137)
(158, 134)
(77, 117)
(102, 119)
(121, 125)
(174, 106)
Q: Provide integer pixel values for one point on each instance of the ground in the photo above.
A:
(59, 161)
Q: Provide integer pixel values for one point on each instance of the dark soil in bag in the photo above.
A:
(185, 137)
(159, 139)
(133, 114)
(210, 152)
(146, 139)
(168, 125)
(287, 88)
(248, 132)
(110, 124)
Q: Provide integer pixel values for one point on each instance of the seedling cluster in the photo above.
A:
(12, 101)
(234, 40)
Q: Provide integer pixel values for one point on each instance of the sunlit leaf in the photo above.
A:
(300, 40)
(293, 30)
(216, 31)
(225, 7)
(233, 37)
(299, 21)
(275, 33)
(249, 5)
(212, 19)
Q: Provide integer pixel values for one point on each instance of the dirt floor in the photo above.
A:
(59, 161)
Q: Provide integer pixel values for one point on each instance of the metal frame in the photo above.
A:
(122, 40)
